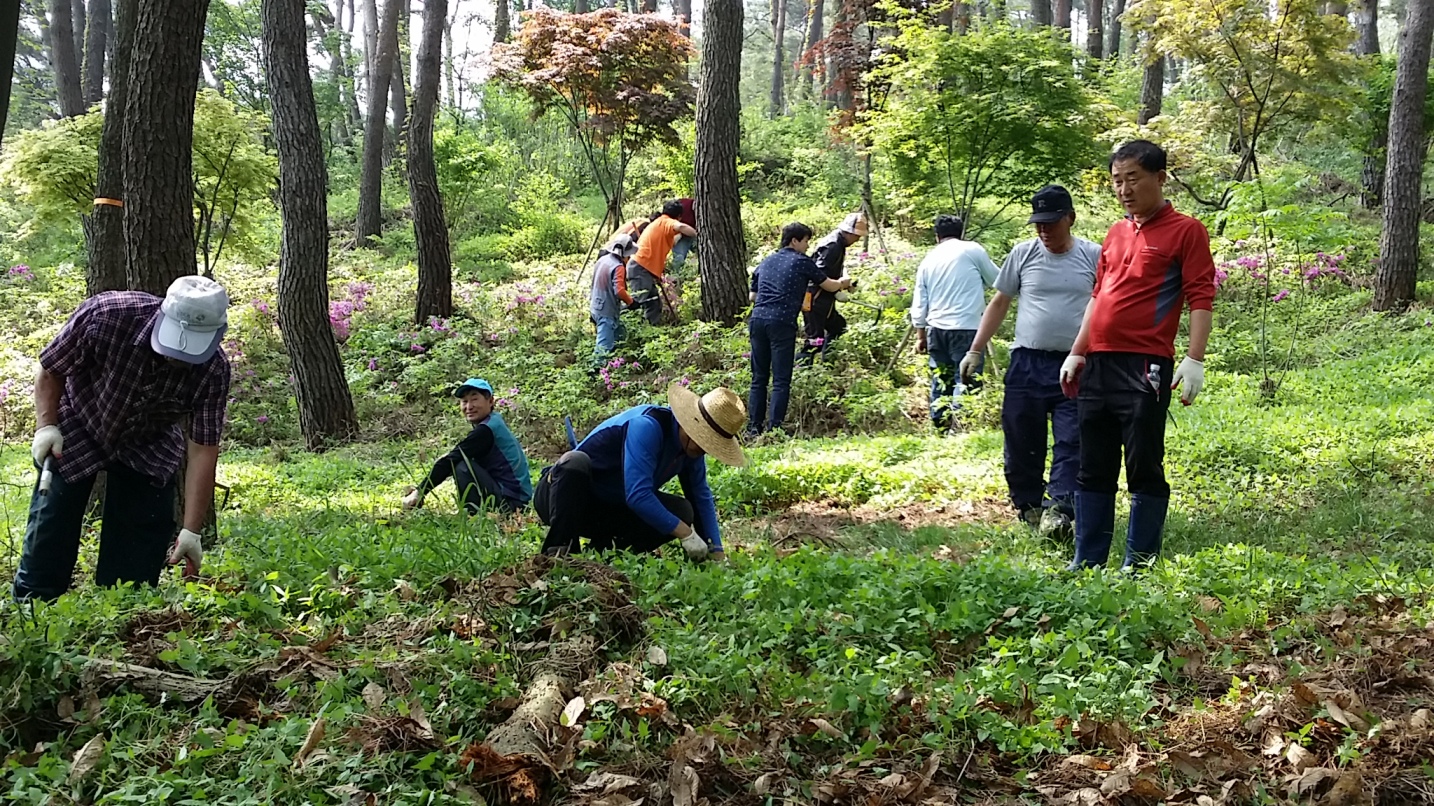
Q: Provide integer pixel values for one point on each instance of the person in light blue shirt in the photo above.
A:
(604, 308)
(609, 489)
(946, 306)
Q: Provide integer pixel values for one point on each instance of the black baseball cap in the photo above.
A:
(1050, 204)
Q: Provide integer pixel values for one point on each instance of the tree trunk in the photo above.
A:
(9, 35)
(719, 216)
(370, 202)
(398, 103)
(63, 60)
(159, 140)
(1399, 242)
(1368, 28)
(450, 95)
(1041, 12)
(779, 57)
(837, 88)
(1113, 48)
(814, 36)
(501, 21)
(370, 45)
(998, 10)
(1337, 8)
(97, 31)
(1152, 89)
(649, 6)
(1063, 14)
(682, 8)
(580, 6)
(962, 14)
(430, 229)
(329, 31)
(326, 409)
(80, 21)
(1095, 32)
(105, 226)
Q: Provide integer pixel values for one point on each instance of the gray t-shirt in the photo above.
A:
(1054, 291)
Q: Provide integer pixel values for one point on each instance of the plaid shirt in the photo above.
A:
(123, 402)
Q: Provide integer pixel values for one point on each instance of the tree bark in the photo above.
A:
(1152, 89)
(1368, 28)
(649, 6)
(398, 104)
(79, 22)
(97, 32)
(326, 409)
(682, 8)
(1063, 14)
(815, 10)
(370, 44)
(1041, 12)
(330, 32)
(1338, 8)
(501, 21)
(430, 229)
(1112, 49)
(719, 215)
(370, 202)
(779, 57)
(159, 141)
(1095, 32)
(63, 60)
(105, 226)
(1399, 242)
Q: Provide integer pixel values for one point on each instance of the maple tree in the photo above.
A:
(619, 79)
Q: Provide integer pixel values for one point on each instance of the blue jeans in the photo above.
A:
(1033, 397)
(773, 353)
(609, 332)
(680, 248)
(944, 351)
(138, 529)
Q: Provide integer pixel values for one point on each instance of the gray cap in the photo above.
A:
(193, 318)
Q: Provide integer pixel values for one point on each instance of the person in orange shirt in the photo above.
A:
(640, 285)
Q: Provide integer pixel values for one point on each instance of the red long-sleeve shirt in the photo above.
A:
(1146, 274)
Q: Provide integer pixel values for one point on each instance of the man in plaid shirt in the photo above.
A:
(114, 388)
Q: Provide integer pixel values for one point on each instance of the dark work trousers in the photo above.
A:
(566, 501)
(1123, 401)
(944, 351)
(820, 326)
(476, 488)
(645, 288)
(774, 347)
(1033, 398)
(134, 539)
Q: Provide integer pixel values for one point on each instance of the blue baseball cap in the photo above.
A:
(477, 384)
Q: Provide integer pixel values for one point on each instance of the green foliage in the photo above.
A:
(996, 112)
(52, 168)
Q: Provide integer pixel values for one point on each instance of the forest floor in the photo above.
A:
(882, 633)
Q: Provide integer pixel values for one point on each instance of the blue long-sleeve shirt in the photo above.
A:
(635, 453)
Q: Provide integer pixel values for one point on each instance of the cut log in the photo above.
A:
(517, 753)
(104, 676)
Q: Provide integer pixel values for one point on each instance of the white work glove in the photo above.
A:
(1190, 377)
(190, 549)
(969, 364)
(842, 296)
(413, 499)
(695, 547)
(48, 442)
(1070, 374)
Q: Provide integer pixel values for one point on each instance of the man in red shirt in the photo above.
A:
(1121, 369)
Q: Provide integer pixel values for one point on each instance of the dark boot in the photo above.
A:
(1094, 529)
(1147, 529)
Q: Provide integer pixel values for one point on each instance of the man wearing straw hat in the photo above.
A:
(609, 489)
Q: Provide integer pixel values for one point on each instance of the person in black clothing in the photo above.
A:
(778, 285)
(488, 467)
(821, 322)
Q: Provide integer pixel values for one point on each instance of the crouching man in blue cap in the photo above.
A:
(488, 467)
(609, 489)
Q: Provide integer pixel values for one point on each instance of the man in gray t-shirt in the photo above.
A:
(1053, 274)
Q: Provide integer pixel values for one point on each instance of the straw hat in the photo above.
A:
(712, 421)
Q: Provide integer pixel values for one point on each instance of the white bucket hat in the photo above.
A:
(194, 316)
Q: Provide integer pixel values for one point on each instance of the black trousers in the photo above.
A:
(476, 488)
(566, 502)
(138, 528)
(1123, 402)
(821, 325)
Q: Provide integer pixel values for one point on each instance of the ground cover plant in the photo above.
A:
(881, 633)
